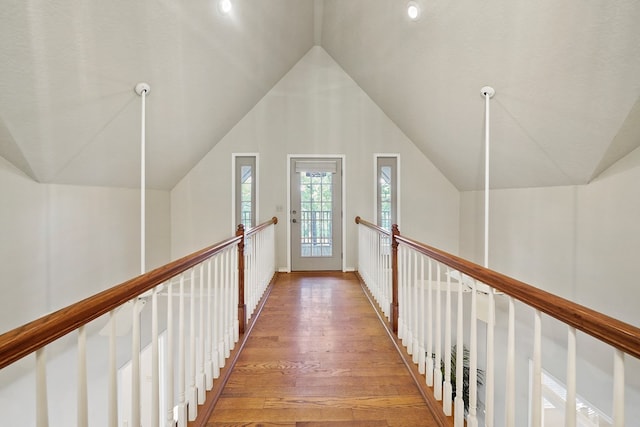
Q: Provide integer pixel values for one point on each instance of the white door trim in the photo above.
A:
(344, 202)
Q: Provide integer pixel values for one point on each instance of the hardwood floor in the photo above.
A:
(319, 356)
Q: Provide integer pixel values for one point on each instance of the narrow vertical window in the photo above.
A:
(245, 191)
(386, 191)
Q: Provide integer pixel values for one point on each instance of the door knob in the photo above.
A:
(294, 220)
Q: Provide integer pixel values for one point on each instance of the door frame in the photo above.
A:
(344, 202)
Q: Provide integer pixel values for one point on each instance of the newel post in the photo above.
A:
(242, 307)
(395, 231)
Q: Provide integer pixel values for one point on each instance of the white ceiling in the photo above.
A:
(566, 74)
(68, 110)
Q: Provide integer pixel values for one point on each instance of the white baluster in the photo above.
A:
(489, 373)
(570, 407)
(387, 278)
(182, 405)
(155, 364)
(378, 269)
(375, 253)
(263, 256)
(459, 401)
(249, 283)
(437, 382)
(169, 396)
(416, 314)
(257, 269)
(218, 341)
(235, 286)
(361, 250)
(83, 408)
(227, 304)
(618, 389)
(372, 241)
(379, 266)
(200, 380)
(113, 372)
(447, 387)
(42, 406)
(472, 420)
(378, 260)
(377, 280)
(272, 249)
(135, 363)
(510, 387)
(371, 267)
(231, 301)
(408, 303)
(429, 355)
(401, 310)
(220, 308)
(256, 284)
(192, 394)
(362, 247)
(421, 296)
(254, 273)
(261, 266)
(209, 341)
(536, 387)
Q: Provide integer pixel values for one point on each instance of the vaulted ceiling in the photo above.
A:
(566, 75)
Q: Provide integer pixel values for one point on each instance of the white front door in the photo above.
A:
(316, 214)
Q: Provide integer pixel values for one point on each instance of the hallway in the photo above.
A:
(319, 356)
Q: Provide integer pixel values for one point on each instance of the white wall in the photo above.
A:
(315, 109)
(23, 248)
(580, 242)
(62, 243)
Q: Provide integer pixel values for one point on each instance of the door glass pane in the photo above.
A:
(385, 197)
(246, 196)
(316, 194)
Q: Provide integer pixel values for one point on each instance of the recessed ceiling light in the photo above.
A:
(413, 10)
(225, 6)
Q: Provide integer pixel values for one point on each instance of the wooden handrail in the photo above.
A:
(254, 230)
(373, 226)
(618, 334)
(25, 339)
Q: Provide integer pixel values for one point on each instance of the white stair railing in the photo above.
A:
(198, 320)
(427, 281)
(259, 264)
(374, 253)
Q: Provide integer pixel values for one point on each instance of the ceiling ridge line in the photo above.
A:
(536, 143)
(29, 172)
(84, 146)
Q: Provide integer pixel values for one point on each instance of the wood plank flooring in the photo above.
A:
(319, 356)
